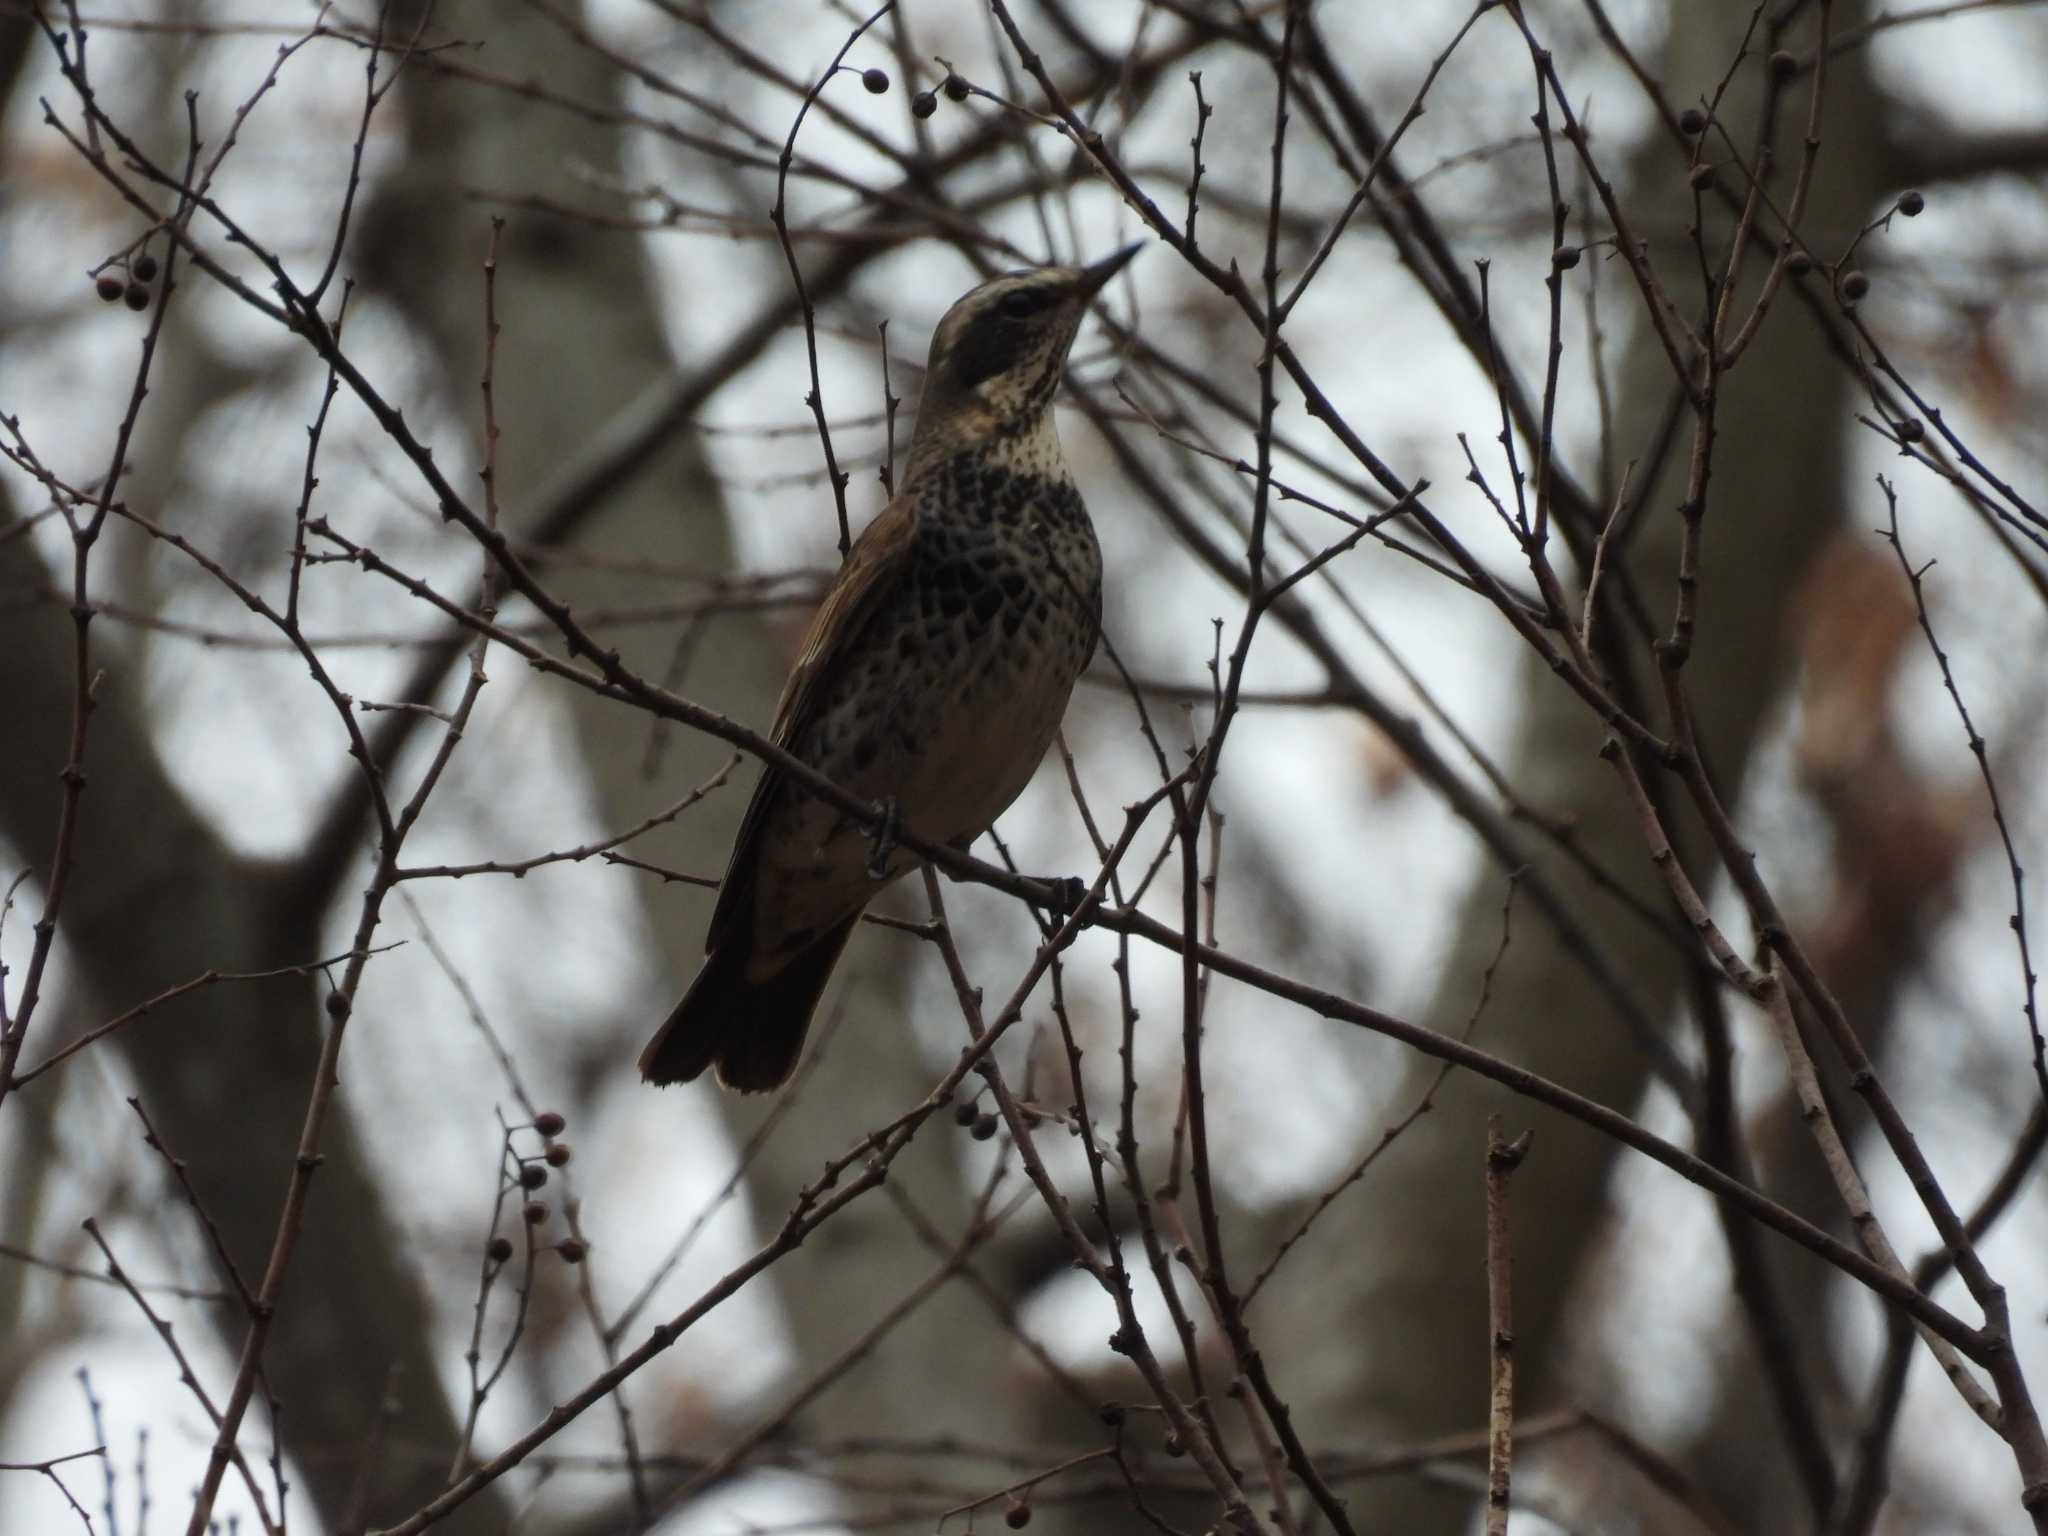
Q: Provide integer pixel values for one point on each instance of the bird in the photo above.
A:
(932, 679)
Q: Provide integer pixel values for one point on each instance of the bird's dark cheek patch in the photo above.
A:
(982, 354)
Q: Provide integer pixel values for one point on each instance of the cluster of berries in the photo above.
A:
(533, 1176)
(924, 103)
(132, 290)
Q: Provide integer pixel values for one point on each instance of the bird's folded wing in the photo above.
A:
(873, 568)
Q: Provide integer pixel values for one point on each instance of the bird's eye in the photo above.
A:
(1020, 303)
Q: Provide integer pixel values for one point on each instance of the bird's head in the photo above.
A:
(997, 356)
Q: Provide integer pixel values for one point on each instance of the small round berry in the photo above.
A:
(534, 1212)
(136, 297)
(548, 1123)
(499, 1250)
(965, 1113)
(144, 267)
(1701, 176)
(876, 80)
(572, 1250)
(1911, 430)
(557, 1154)
(1565, 257)
(1175, 1446)
(1111, 1414)
(1855, 285)
(532, 1176)
(1017, 1514)
(1692, 122)
(984, 1127)
(1912, 204)
(1783, 65)
(923, 104)
(108, 287)
(955, 88)
(1799, 263)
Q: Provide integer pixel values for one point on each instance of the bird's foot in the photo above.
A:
(1067, 895)
(882, 842)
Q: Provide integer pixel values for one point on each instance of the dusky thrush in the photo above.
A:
(931, 681)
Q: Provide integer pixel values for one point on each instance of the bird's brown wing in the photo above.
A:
(873, 567)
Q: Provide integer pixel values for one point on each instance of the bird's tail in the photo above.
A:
(751, 1030)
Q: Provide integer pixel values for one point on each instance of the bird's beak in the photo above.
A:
(1093, 277)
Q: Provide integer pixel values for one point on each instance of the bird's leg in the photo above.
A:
(883, 839)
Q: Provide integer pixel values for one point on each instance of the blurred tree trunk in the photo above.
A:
(1901, 838)
(1410, 1307)
(224, 1073)
(582, 343)
(26, 1136)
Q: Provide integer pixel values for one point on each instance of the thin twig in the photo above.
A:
(1502, 1159)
